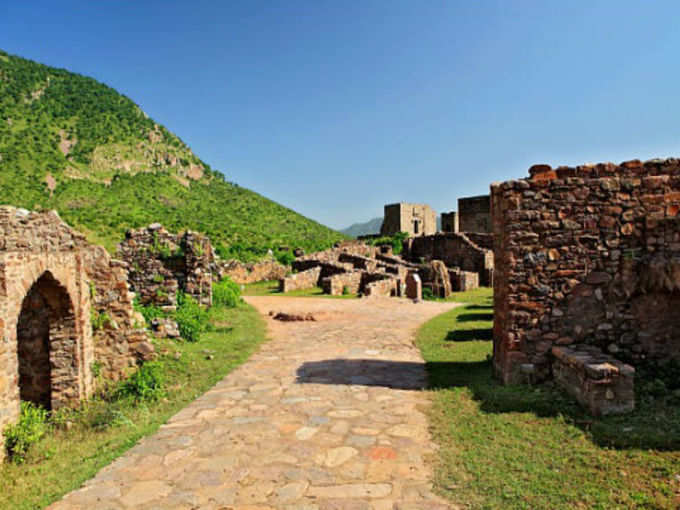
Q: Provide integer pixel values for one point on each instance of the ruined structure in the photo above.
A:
(53, 286)
(161, 264)
(242, 273)
(474, 214)
(450, 222)
(414, 219)
(587, 276)
(456, 250)
(357, 268)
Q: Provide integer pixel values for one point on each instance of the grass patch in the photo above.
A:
(271, 288)
(533, 447)
(103, 430)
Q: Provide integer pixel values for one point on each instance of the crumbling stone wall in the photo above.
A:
(334, 285)
(50, 277)
(474, 214)
(162, 263)
(379, 284)
(587, 255)
(414, 219)
(307, 279)
(455, 250)
(241, 273)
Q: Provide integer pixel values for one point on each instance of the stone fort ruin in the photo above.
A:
(52, 282)
(587, 277)
(414, 219)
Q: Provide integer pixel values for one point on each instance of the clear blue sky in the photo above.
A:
(335, 108)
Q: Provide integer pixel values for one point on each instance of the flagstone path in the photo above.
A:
(328, 415)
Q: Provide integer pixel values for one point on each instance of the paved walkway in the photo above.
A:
(327, 415)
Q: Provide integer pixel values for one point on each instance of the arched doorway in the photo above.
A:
(47, 344)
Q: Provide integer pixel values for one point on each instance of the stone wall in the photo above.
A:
(307, 279)
(52, 281)
(455, 250)
(378, 284)
(587, 255)
(241, 273)
(414, 219)
(162, 263)
(481, 239)
(474, 214)
(334, 285)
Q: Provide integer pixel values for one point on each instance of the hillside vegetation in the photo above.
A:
(70, 143)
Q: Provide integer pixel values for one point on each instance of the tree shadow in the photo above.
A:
(544, 401)
(467, 335)
(474, 317)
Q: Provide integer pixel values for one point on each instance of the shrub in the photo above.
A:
(226, 293)
(285, 258)
(145, 384)
(148, 312)
(31, 427)
(427, 293)
(192, 318)
(345, 291)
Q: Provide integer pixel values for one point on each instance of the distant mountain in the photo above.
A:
(70, 143)
(364, 229)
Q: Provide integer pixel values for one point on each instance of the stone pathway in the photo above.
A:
(327, 415)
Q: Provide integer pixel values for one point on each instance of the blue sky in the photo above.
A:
(335, 108)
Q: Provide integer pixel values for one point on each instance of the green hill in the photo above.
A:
(70, 143)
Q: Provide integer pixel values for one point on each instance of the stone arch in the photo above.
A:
(47, 344)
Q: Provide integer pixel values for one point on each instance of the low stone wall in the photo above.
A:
(359, 261)
(334, 285)
(463, 280)
(599, 382)
(241, 273)
(383, 287)
(304, 280)
(161, 264)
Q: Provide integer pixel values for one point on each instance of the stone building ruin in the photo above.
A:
(414, 219)
(587, 277)
(450, 221)
(474, 214)
(52, 283)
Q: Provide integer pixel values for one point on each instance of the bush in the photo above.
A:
(285, 258)
(192, 318)
(427, 293)
(148, 312)
(345, 291)
(146, 384)
(31, 427)
(226, 293)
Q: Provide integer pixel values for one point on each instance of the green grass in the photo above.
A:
(271, 288)
(532, 447)
(66, 458)
(125, 171)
